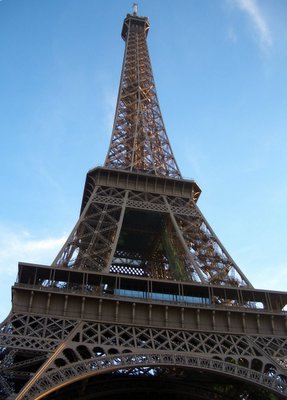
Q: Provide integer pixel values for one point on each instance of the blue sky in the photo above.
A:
(220, 68)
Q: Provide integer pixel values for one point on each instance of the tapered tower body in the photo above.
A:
(143, 300)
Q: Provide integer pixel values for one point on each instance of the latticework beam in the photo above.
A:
(139, 141)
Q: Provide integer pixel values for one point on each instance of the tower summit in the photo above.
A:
(143, 300)
(139, 141)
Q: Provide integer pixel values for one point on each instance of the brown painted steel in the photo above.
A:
(142, 292)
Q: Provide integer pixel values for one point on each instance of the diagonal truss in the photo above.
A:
(142, 286)
(81, 349)
(139, 141)
(147, 233)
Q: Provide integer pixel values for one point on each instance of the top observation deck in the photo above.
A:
(135, 23)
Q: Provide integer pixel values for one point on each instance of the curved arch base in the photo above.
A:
(214, 376)
(160, 383)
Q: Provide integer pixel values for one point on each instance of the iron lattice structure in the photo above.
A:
(143, 299)
(139, 141)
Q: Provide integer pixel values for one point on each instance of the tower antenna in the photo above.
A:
(135, 8)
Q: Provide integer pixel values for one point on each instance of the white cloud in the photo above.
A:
(251, 8)
(20, 245)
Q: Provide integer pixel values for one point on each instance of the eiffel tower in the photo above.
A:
(143, 300)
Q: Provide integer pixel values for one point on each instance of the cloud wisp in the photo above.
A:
(256, 17)
(18, 246)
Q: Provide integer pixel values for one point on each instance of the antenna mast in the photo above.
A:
(135, 8)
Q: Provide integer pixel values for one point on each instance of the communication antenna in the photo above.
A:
(135, 7)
